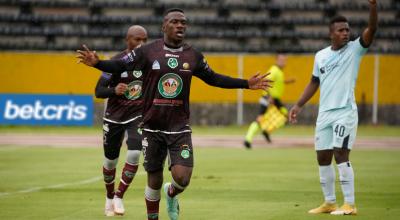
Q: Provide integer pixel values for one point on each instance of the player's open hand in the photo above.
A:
(87, 56)
(121, 88)
(259, 81)
(294, 111)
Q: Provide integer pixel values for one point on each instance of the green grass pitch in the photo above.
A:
(277, 183)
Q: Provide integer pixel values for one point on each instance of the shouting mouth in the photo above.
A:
(180, 34)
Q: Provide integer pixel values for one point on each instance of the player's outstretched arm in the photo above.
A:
(205, 73)
(259, 81)
(369, 32)
(87, 56)
(309, 91)
(90, 58)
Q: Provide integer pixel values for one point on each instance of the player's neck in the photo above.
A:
(336, 47)
(173, 44)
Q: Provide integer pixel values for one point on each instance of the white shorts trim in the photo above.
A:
(167, 132)
(122, 122)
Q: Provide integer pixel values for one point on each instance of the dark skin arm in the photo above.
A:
(90, 58)
(308, 93)
(369, 32)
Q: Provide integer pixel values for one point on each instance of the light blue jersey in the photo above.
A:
(337, 72)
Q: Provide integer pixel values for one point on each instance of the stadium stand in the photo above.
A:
(297, 26)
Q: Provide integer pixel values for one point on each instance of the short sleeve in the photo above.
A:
(359, 46)
(316, 70)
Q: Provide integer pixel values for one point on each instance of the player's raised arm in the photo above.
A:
(369, 32)
(90, 58)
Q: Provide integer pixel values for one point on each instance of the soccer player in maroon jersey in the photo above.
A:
(168, 65)
(123, 114)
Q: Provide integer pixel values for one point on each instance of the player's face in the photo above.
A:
(174, 26)
(281, 60)
(340, 34)
(135, 40)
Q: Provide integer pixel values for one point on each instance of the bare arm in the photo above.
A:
(90, 58)
(309, 91)
(369, 32)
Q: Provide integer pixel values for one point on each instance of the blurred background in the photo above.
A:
(38, 39)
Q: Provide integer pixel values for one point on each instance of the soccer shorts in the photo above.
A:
(336, 129)
(113, 135)
(157, 146)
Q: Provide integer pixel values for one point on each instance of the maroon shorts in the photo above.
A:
(157, 146)
(113, 135)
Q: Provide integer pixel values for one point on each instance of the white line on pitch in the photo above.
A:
(57, 186)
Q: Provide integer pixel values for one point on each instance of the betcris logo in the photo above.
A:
(46, 109)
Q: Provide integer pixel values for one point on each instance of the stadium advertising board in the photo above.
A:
(39, 109)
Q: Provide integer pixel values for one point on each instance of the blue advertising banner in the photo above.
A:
(38, 109)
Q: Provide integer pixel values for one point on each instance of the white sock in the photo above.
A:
(327, 180)
(346, 176)
(152, 194)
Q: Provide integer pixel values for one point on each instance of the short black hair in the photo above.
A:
(338, 18)
(173, 10)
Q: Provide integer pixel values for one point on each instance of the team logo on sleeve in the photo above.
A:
(134, 90)
(130, 57)
(170, 85)
(205, 64)
(322, 70)
(172, 62)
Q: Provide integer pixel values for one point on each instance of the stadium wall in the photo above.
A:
(58, 73)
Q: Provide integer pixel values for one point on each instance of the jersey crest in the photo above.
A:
(170, 85)
(134, 90)
(172, 62)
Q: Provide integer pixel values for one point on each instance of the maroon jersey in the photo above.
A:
(167, 75)
(125, 108)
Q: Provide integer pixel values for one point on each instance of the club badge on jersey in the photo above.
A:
(170, 85)
(172, 63)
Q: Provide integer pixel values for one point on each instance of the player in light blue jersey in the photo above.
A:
(335, 72)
